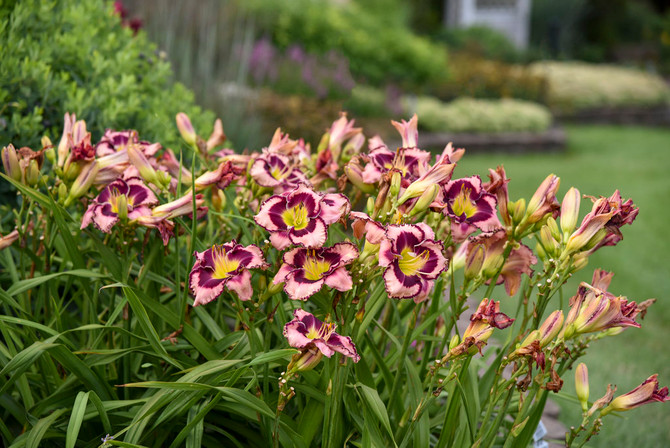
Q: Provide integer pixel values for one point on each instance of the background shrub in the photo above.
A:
(74, 56)
(473, 115)
(378, 50)
(481, 41)
(578, 85)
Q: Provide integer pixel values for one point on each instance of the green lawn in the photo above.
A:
(598, 160)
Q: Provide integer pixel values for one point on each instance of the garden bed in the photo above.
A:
(646, 116)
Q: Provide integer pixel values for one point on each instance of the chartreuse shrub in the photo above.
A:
(574, 86)
(483, 116)
(378, 50)
(295, 296)
(75, 56)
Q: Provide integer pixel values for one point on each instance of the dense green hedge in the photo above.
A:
(73, 55)
(378, 50)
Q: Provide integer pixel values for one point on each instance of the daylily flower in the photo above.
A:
(594, 309)
(608, 214)
(122, 199)
(409, 162)
(301, 216)
(276, 171)
(217, 137)
(408, 131)
(470, 207)
(413, 260)
(647, 392)
(364, 225)
(305, 271)
(221, 177)
(306, 332)
(518, 262)
(224, 266)
(482, 322)
(436, 175)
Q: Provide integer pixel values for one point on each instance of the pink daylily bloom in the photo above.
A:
(306, 331)
(305, 271)
(224, 266)
(301, 216)
(364, 225)
(482, 322)
(122, 199)
(497, 186)
(408, 131)
(223, 176)
(276, 171)
(413, 260)
(469, 206)
(409, 162)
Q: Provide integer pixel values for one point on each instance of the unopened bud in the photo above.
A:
(474, 262)
(142, 164)
(553, 228)
(547, 240)
(582, 385)
(32, 173)
(517, 210)
(62, 193)
(355, 177)
(396, 179)
(595, 239)
(579, 261)
(570, 211)
(10, 162)
(122, 206)
(84, 181)
(540, 252)
(551, 327)
(425, 199)
(455, 340)
(323, 143)
(186, 128)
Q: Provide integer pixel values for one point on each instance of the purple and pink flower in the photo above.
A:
(305, 271)
(224, 266)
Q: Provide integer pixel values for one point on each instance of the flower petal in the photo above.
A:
(301, 289)
(241, 284)
(340, 280)
(312, 236)
(333, 206)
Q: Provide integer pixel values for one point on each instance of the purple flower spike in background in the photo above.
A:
(224, 266)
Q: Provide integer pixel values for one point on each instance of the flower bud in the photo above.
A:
(142, 164)
(32, 173)
(517, 210)
(474, 263)
(455, 340)
(582, 385)
(396, 179)
(10, 162)
(306, 360)
(356, 178)
(544, 199)
(62, 193)
(553, 228)
(548, 242)
(83, 182)
(570, 211)
(579, 261)
(540, 252)
(551, 327)
(425, 200)
(370, 206)
(72, 170)
(186, 128)
(122, 207)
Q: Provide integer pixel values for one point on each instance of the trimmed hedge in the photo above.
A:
(482, 116)
(576, 86)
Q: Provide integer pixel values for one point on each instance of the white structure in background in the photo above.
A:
(510, 17)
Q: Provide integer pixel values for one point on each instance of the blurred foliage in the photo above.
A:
(297, 115)
(482, 116)
(578, 85)
(74, 56)
(378, 49)
(481, 78)
(367, 101)
(480, 41)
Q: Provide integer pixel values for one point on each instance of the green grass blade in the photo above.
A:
(78, 411)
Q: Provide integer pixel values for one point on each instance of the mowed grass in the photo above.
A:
(598, 160)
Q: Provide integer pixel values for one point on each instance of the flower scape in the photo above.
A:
(294, 296)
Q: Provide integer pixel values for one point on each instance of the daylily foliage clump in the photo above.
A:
(355, 292)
